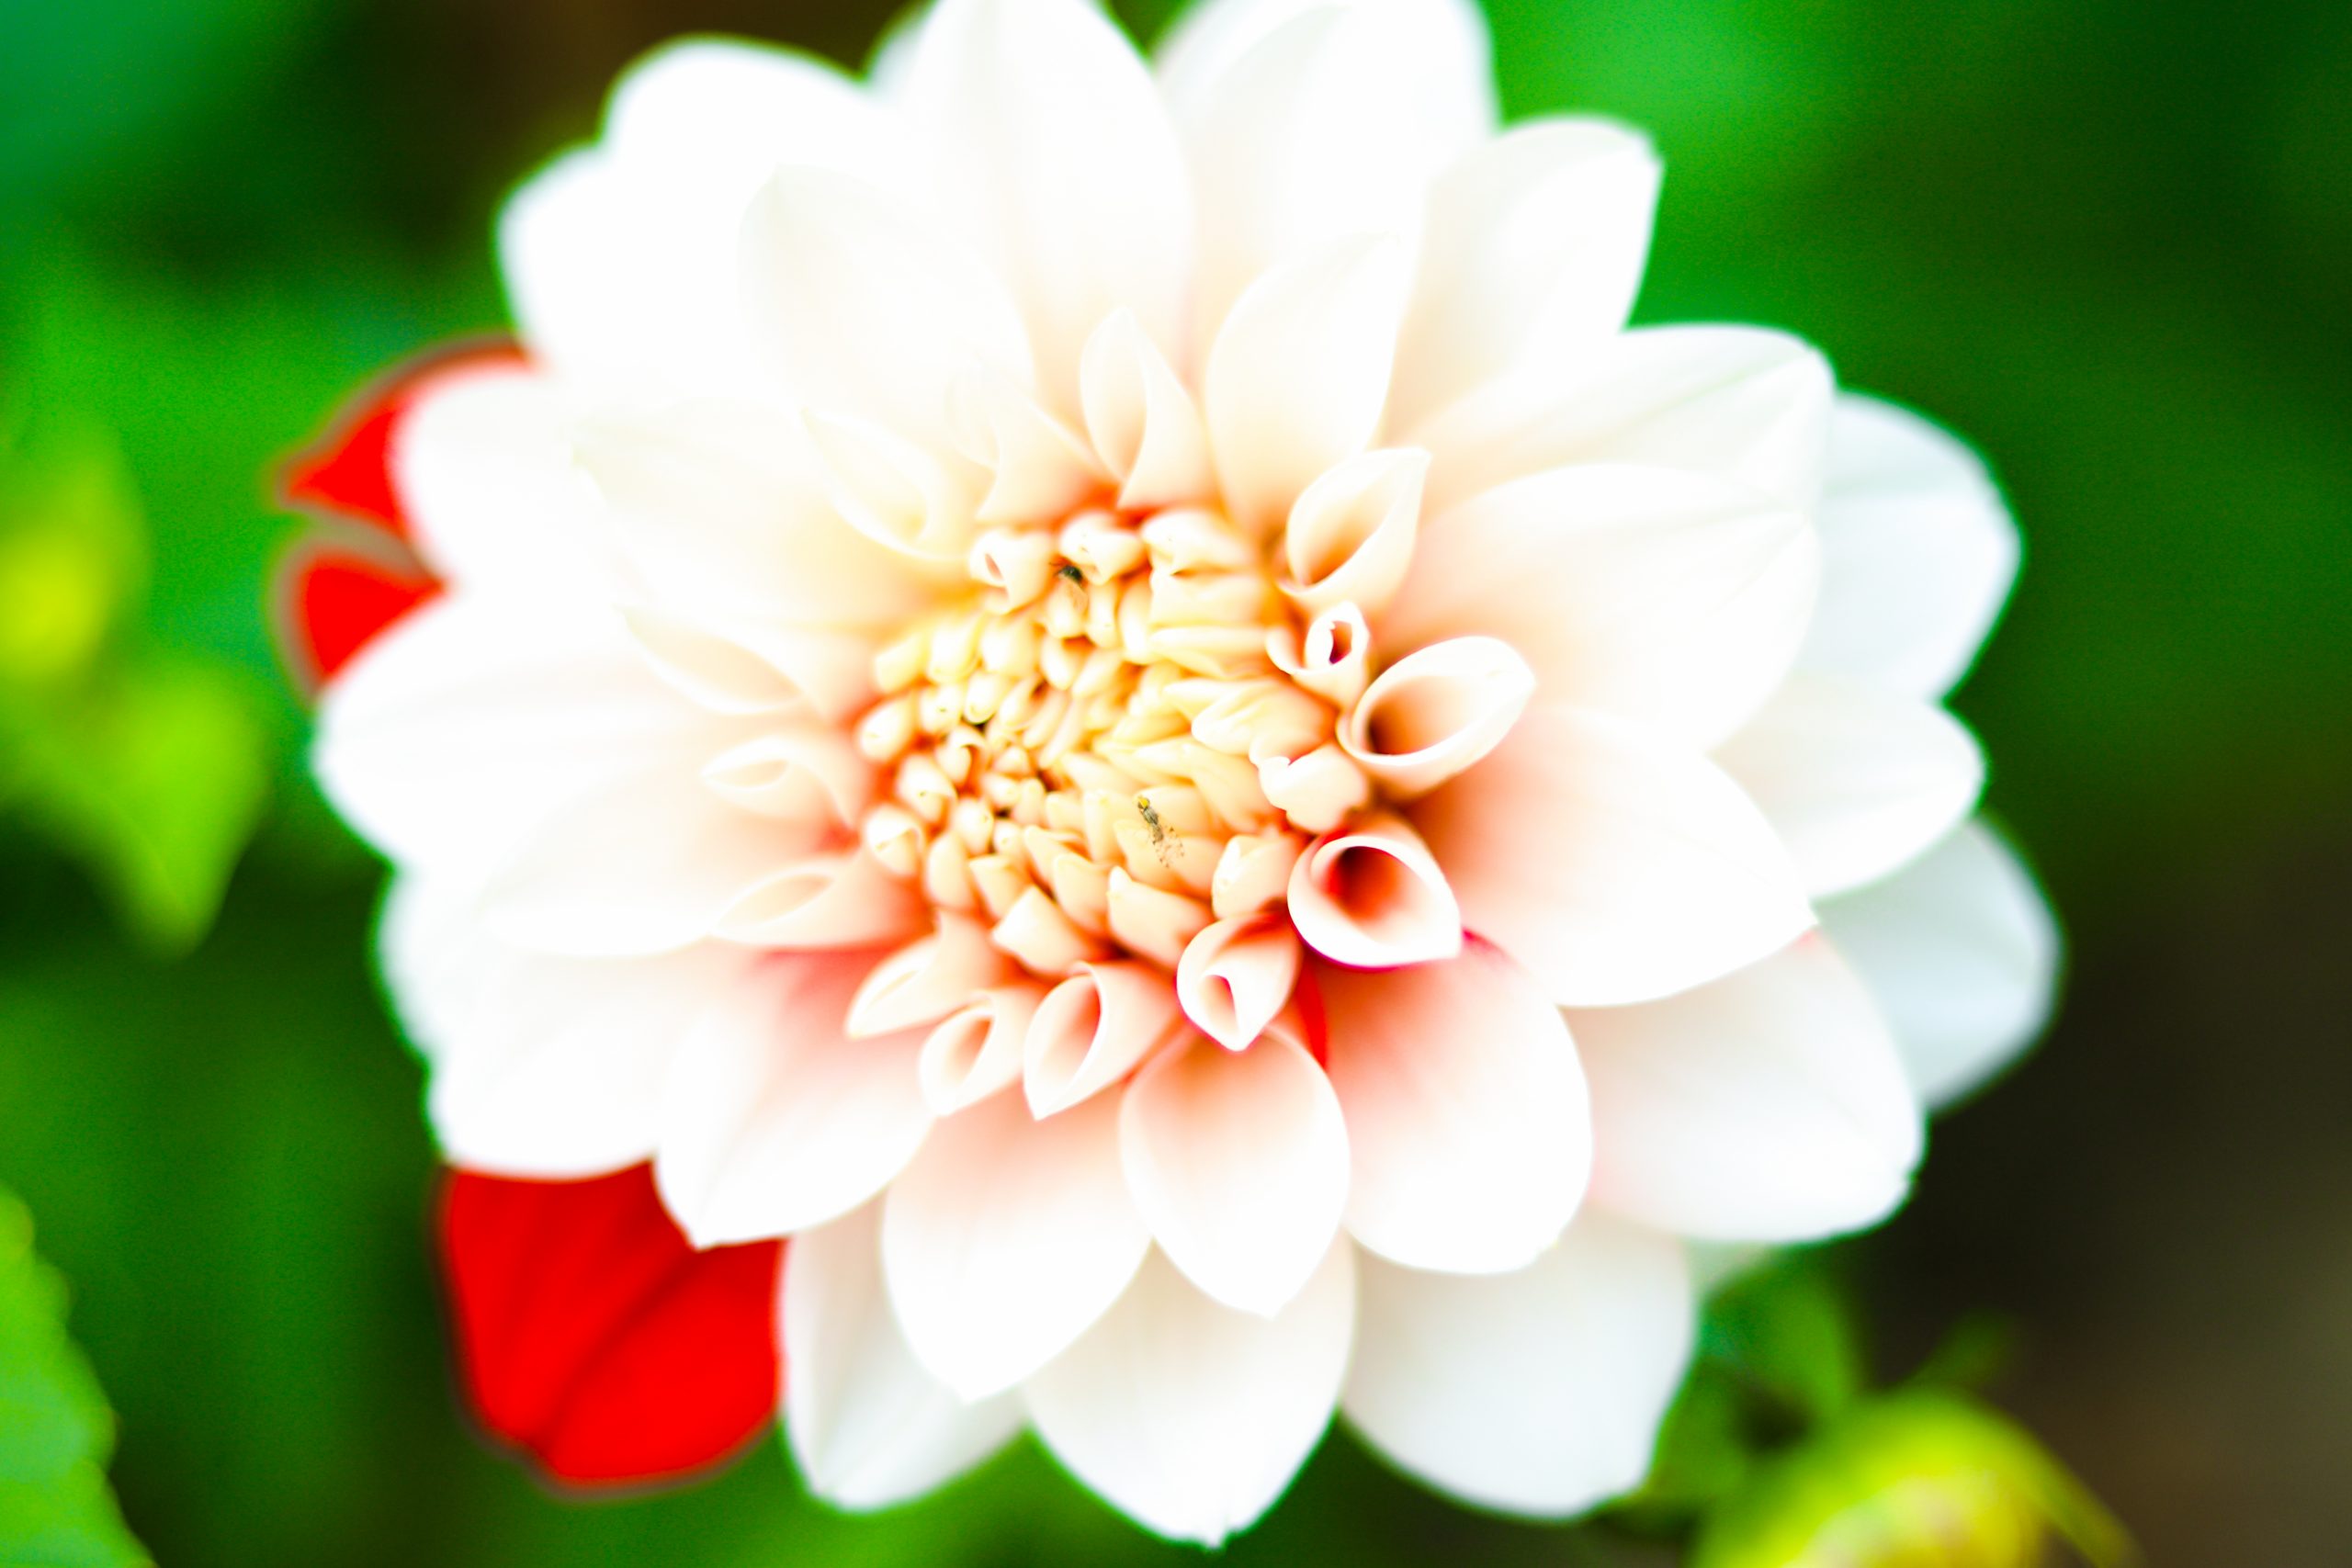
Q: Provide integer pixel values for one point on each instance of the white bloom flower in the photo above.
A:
(1114, 696)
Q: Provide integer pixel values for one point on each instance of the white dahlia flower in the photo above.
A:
(1113, 697)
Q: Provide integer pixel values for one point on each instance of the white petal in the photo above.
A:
(927, 979)
(1539, 1391)
(1191, 1417)
(1740, 403)
(865, 309)
(1093, 1029)
(1056, 158)
(472, 721)
(1144, 424)
(1467, 1123)
(1349, 537)
(774, 1120)
(976, 1051)
(1961, 953)
(868, 1426)
(1856, 780)
(483, 463)
(1613, 867)
(1534, 247)
(1674, 599)
(1436, 712)
(831, 899)
(1297, 378)
(1768, 1106)
(1304, 124)
(1238, 1163)
(1918, 552)
(1237, 973)
(1374, 897)
(1007, 1238)
(723, 511)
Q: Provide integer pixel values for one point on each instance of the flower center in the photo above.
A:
(1106, 746)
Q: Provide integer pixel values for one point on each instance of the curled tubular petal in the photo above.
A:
(1373, 898)
(1436, 712)
(1236, 976)
(1091, 1030)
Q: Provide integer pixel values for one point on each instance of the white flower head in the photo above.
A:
(1114, 696)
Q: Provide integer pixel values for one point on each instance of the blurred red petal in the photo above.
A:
(594, 1338)
(334, 604)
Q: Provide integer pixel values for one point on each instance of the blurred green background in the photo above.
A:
(2111, 242)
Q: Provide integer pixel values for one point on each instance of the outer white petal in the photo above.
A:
(1539, 1391)
(1676, 599)
(1749, 405)
(483, 463)
(1008, 1237)
(1918, 552)
(1612, 867)
(868, 1426)
(1960, 952)
(466, 725)
(773, 1119)
(1857, 780)
(1053, 155)
(552, 1067)
(1297, 378)
(1768, 1106)
(1468, 1127)
(1533, 248)
(620, 260)
(1239, 1162)
(864, 307)
(1307, 122)
(1188, 1416)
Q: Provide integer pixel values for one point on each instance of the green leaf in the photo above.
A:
(1784, 1330)
(155, 778)
(1703, 1452)
(1912, 1480)
(73, 546)
(55, 1430)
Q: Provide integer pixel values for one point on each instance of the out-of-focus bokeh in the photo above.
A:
(2109, 242)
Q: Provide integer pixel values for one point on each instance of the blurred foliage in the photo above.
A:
(55, 1430)
(2107, 242)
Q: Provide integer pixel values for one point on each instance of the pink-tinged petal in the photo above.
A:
(977, 1050)
(1677, 600)
(1743, 404)
(1533, 249)
(722, 512)
(1058, 161)
(1332, 657)
(1039, 469)
(928, 978)
(1960, 953)
(1007, 1238)
(1238, 1163)
(1917, 552)
(806, 773)
(1305, 124)
(1252, 871)
(592, 1336)
(1613, 866)
(1468, 1126)
(1091, 1030)
(1190, 1417)
(1435, 712)
(831, 899)
(1296, 380)
(1145, 426)
(772, 1119)
(1374, 897)
(464, 727)
(862, 306)
(1349, 537)
(867, 1426)
(1236, 976)
(1857, 780)
(484, 464)
(1539, 1391)
(1767, 1106)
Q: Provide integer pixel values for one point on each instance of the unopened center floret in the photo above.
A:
(1094, 753)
